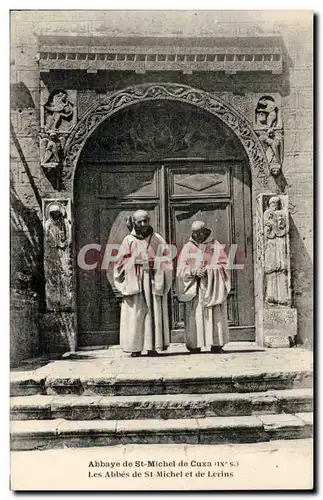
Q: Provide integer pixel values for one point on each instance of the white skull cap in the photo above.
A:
(198, 225)
(140, 213)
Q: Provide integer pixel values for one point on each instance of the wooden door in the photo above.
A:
(175, 194)
(110, 193)
(218, 194)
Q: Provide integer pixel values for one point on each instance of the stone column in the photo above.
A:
(276, 318)
(60, 318)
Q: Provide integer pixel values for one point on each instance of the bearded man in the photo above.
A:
(144, 282)
(203, 283)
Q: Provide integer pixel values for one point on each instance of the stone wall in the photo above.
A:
(25, 210)
(29, 184)
(298, 171)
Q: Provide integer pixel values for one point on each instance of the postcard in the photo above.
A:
(161, 191)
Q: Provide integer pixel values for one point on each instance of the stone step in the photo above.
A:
(175, 406)
(152, 383)
(59, 433)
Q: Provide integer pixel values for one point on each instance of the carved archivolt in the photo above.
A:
(149, 92)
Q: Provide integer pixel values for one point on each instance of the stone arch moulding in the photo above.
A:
(121, 99)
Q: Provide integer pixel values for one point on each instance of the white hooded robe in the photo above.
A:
(144, 323)
(205, 298)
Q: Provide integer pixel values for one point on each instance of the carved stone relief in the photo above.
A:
(58, 111)
(57, 254)
(58, 117)
(276, 253)
(269, 127)
(51, 149)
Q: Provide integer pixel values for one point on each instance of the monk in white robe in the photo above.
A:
(203, 284)
(144, 283)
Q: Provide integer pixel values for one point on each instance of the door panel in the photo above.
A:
(241, 205)
(225, 208)
(186, 182)
(102, 220)
(136, 182)
(216, 215)
(86, 233)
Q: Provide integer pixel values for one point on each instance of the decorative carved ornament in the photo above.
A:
(230, 62)
(141, 54)
(175, 92)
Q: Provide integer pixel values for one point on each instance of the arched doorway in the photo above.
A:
(181, 164)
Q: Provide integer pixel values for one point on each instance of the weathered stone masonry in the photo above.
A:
(275, 68)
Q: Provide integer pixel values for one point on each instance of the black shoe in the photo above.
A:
(135, 354)
(152, 353)
(215, 349)
(195, 350)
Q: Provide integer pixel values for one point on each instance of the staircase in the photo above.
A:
(106, 398)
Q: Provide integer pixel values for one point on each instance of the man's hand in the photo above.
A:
(201, 272)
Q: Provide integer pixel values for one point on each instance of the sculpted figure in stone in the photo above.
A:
(203, 284)
(276, 265)
(266, 113)
(57, 261)
(58, 110)
(56, 225)
(273, 142)
(49, 149)
(270, 132)
(144, 284)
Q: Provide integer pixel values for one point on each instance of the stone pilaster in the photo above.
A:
(60, 317)
(277, 319)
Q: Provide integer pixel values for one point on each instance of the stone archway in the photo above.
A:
(262, 182)
(211, 103)
(178, 162)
